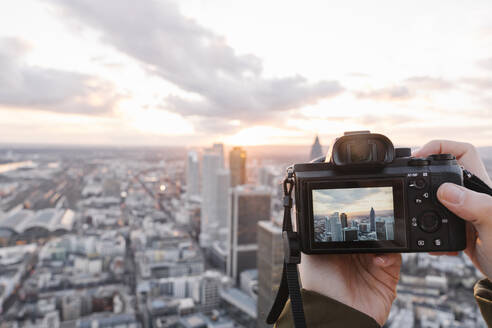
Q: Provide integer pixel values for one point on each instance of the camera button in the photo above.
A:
(420, 243)
(425, 195)
(418, 183)
(437, 242)
(429, 222)
(418, 201)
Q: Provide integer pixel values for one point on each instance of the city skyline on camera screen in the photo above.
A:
(353, 214)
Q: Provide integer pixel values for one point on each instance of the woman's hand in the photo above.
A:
(474, 207)
(366, 282)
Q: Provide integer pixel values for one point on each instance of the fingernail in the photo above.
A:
(379, 260)
(451, 193)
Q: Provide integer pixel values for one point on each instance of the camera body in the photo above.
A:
(372, 198)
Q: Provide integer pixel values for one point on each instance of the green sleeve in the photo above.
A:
(322, 311)
(483, 295)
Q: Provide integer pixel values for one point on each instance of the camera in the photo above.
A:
(369, 197)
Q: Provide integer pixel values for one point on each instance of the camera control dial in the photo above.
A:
(418, 162)
(429, 222)
(442, 157)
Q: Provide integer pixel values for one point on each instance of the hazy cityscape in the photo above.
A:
(177, 238)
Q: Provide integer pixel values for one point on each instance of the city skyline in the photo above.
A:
(86, 73)
(355, 215)
(336, 227)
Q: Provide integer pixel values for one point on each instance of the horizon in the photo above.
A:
(351, 215)
(128, 146)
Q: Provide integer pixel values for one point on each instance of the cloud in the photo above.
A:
(407, 89)
(392, 120)
(327, 201)
(478, 82)
(428, 83)
(486, 63)
(230, 86)
(25, 86)
(386, 94)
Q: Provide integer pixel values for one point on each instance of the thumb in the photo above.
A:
(469, 205)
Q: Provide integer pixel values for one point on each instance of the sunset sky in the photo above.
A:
(243, 72)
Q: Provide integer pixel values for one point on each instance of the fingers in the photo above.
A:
(469, 205)
(466, 154)
(458, 149)
(387, 260)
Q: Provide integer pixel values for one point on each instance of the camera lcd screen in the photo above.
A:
(357, 214)
(353, 214)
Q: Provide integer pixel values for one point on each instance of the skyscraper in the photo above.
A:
(270, 261)
(218, 148)
(390, 233)
(372, 219)
(210, 166)
(223, 199)
(343, 220)
(192, 174)
(316, 149)
(336, 227)
(237, 165)
(249, 204)
(381, 230)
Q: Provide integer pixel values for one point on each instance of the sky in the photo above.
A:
(352, 200)
(194, 72)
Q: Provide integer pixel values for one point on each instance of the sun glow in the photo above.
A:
(160, 122)
(262, 135)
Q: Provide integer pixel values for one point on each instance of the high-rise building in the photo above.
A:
(249, 204)
(237, 166)
(372, 219)
(350, 234)
(316, 149)
(209, 291)
(210, 166)
(270, 261)
(390, 232)
(223, 199)
(218, 148)
(343, 220)
(336, 227)
(192, 174)
(215, 196)
(381, 230)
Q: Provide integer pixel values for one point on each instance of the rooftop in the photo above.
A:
(51, 219)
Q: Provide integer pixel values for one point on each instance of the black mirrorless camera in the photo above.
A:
(369, 197)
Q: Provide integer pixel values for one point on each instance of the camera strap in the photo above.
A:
(474, 183)
(289, 285)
